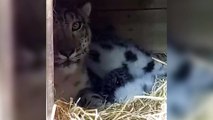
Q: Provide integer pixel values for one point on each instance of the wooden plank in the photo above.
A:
(122, 4)
(49, 60)
(128, 4)
(6, 58)
(146, 28)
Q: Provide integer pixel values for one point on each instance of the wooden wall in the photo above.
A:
(142, 21)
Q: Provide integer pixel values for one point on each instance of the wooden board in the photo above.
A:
(128, 4)
(121, 4)
(147, 28)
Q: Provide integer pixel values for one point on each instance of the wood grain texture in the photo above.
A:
(49, 60)
(146, 28)
(7, 61)
(121, 4)
(128, 4)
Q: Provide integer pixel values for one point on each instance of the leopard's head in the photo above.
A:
(72, 34)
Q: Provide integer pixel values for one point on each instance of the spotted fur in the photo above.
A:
(122, 69)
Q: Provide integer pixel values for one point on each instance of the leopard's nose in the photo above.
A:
(67, 53)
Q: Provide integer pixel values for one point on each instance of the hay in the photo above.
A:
(149, 107)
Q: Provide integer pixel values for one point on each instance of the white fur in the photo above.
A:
(159, 69)
(134, 88)
(136, 68)
(109, 60)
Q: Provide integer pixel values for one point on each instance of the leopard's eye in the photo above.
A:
(76, 26)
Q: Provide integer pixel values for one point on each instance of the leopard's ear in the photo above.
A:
(86, 8)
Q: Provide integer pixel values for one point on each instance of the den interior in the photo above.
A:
(100, 78)
(140, 22)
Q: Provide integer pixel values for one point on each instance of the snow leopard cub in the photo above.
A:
(121, 70)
